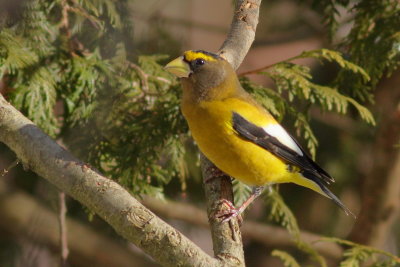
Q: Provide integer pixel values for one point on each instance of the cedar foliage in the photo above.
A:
(71, 66)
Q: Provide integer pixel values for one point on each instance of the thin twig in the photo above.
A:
(162, 79)
(12, 165)
(64, 26)
(143, 77)
(93, 20)
(64, 23)
(258, 70)
(63, 229)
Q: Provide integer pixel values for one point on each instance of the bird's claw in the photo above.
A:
(229, 213)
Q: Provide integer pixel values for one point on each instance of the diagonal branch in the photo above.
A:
(108, 199)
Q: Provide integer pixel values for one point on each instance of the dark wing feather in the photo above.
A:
(257, 135)
(321, 171)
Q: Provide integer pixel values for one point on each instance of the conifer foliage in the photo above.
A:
(68, 69)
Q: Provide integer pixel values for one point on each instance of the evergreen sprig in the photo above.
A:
(75, 78)
(139, 129)
(14, 53)
(287, 259)
(329, 10)
(357, 254)
(294, 84)
(296, 80)
(372, 44)
(280, 213)
(241, 191)
(375, 33)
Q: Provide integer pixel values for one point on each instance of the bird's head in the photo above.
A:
(204, 75)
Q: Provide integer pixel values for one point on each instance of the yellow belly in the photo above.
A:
(211, 127)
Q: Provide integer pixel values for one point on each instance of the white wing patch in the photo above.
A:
(279, 133)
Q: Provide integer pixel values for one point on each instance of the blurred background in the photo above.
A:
(364, 159)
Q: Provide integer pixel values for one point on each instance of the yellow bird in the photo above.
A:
(237, 134)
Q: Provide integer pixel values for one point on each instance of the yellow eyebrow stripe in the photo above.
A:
(193, 55)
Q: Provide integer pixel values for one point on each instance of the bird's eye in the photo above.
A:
(200, 61)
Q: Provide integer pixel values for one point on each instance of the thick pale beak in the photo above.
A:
(179, 68)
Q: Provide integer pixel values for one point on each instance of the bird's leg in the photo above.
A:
(233, 212)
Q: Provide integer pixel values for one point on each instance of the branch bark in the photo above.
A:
(108, 199)
(242, 32)
(226, 237)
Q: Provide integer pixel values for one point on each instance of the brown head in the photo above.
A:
(205, 76)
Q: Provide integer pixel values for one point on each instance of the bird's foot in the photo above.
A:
(229, 212)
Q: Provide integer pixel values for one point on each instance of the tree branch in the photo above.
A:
(242, 32)
(226, 237)
(107, 198)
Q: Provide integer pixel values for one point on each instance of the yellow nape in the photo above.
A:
(193, 55)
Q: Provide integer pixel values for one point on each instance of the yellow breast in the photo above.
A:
(210, 123)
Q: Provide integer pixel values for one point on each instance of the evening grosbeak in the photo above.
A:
(237, 134)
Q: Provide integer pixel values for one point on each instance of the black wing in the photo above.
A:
(257, 135)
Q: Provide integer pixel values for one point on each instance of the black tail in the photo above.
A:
(322, 184)
(334, 198)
